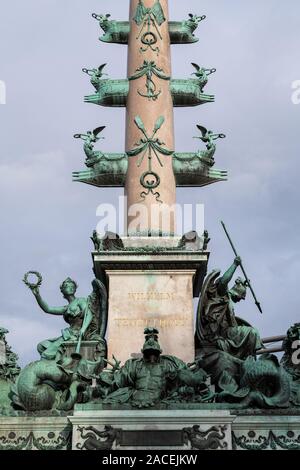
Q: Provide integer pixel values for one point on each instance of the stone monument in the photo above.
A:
(154, 275)
(212, 384)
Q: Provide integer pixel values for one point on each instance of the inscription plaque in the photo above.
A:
(155, 438)
(159, 299)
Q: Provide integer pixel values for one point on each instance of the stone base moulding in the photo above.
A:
(186, 429)
(144, 257)
(266, 433)
(35, 433)
(151, 430)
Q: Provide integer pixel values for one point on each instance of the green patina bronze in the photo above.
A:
(247, 281)
(216, 322)
(54, 384)
(9, 371)
(148, 69)
(74, 368)
(114, 93)
(227, 347)
(93, 439)
(188, 93)
(107, 170)
(153, 147)
(190, 241)
(151, 379)
(202, 75)
(194, 169)
(256, 440)
(111, 93)
(89, 139)
(3, 332)
(51, 441)
(181, 32)
(96, 75)
(9, 368)
(206, 440)
(110, 171)
(110, 242)
(291, 361)
(154, 380)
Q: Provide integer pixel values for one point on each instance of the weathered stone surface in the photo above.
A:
(185, 425)
(28, 433)
(150, 259)
(161, 299)
(143, 242)
(266, 432)
(251, 432)
(2, 352)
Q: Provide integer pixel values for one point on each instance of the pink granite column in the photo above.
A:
(149, 41)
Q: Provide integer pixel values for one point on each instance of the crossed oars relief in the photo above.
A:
(153, 147)
(149, 20)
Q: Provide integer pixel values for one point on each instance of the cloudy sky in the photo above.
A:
(46, 219)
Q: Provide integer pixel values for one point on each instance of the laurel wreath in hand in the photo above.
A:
(32, 285)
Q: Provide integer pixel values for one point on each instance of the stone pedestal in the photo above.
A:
(151, 430)
(172, 429)
(151, 286)
(160, 299)
(2, 352)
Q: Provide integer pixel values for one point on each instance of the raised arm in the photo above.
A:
(44, 306)
(227, 276)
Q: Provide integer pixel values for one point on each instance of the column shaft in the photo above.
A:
(150, 179)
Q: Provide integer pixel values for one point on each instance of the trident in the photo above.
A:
(257, 303)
